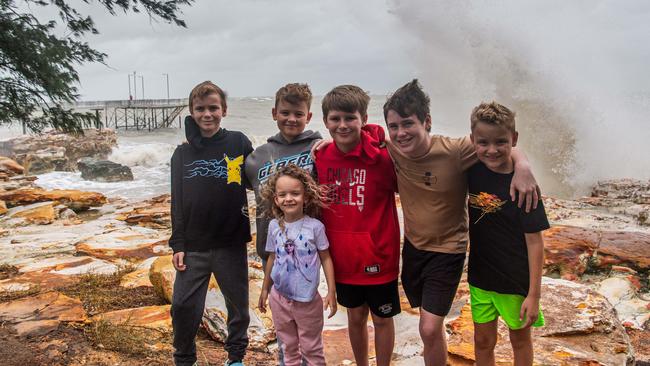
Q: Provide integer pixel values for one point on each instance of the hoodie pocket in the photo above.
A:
(353, 253)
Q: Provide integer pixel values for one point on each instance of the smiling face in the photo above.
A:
(207, 113)
(345, 128)
(290, 197)
(291, 118)
(493, 144)
(409, 134)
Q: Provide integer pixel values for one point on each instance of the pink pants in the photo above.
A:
(299, 325)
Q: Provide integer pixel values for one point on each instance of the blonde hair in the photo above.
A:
(495, 114)
(315, 194)
(204, 89)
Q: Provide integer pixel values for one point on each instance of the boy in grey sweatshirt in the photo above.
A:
(291, 145)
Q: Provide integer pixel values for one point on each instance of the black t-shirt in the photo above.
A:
(498, 259)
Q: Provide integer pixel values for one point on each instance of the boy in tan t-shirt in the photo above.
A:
(432, 183)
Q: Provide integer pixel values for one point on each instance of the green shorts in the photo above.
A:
(489, 305)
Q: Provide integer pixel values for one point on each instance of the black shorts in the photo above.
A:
(430, 279)
(382, 300)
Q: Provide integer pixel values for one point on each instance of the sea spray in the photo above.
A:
(575, 73)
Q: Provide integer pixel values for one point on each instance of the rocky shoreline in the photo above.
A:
(87, 279)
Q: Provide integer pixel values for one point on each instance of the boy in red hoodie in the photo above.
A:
(361, 222)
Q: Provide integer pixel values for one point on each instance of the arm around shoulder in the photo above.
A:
(523, 182)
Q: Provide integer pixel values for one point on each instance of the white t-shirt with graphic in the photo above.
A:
(296, 270)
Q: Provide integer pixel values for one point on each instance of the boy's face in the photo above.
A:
(207, 113)
(291, 118)
(345, 128)
(409, 134)
(493, 144)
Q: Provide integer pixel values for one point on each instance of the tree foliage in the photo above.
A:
(37, 66)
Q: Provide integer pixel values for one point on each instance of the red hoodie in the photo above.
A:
(361, 220)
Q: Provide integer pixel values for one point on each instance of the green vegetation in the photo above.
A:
(38, 63)
(100, 293)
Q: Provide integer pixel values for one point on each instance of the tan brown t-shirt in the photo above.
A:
(433, 192)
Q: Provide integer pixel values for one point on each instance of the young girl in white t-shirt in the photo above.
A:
(297, 247)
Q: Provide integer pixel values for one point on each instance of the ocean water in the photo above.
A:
(148, 154)
(554, 152)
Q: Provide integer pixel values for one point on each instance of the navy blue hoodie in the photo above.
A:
(209, 207)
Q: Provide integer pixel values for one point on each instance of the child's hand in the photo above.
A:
(529, 311)
(330, 301)
(318, 146)
(524, 188)
(261, 304)
(177, 261)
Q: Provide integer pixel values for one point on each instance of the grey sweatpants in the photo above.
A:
(230, 268)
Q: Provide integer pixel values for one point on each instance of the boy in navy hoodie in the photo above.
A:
(210, 226)
(292, 144)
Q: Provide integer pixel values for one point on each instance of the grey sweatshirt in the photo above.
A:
(263, 162)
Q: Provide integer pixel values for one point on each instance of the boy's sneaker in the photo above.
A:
(234, 363)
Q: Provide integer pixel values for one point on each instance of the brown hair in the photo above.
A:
(493, 113)
(408, 100)
(346, 98)
(294, 94)
(204, 89)
(315, 194)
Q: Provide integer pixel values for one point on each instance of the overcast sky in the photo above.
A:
(253, 47)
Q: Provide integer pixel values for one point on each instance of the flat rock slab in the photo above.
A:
(74, 199)
(10, 166)
(68, 265)
(568, 248)
(154, 213)
(130, 243)
(581, 329)
(151, 317)
(41, 313)
(139, 277)
(632, 310)
(42, 281)
(40, 213)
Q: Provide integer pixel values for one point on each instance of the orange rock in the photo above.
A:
(76, 200)
(134, 252)
(154, 213)
(37, 213)
(337, 347)
(581, 327)
(44, 306)
(3, 208)
(568, 248)
(44, 281)
(10, 166)
(151, 317)
(137, 278)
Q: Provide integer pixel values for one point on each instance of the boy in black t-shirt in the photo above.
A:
(506, 244)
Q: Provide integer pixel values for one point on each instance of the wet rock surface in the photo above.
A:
(76, 250)
(58, 151)
(103, 170)
(74, 199)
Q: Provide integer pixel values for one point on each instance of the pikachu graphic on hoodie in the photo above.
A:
(234, 169)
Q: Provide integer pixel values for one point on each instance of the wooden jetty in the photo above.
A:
(142, 114)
